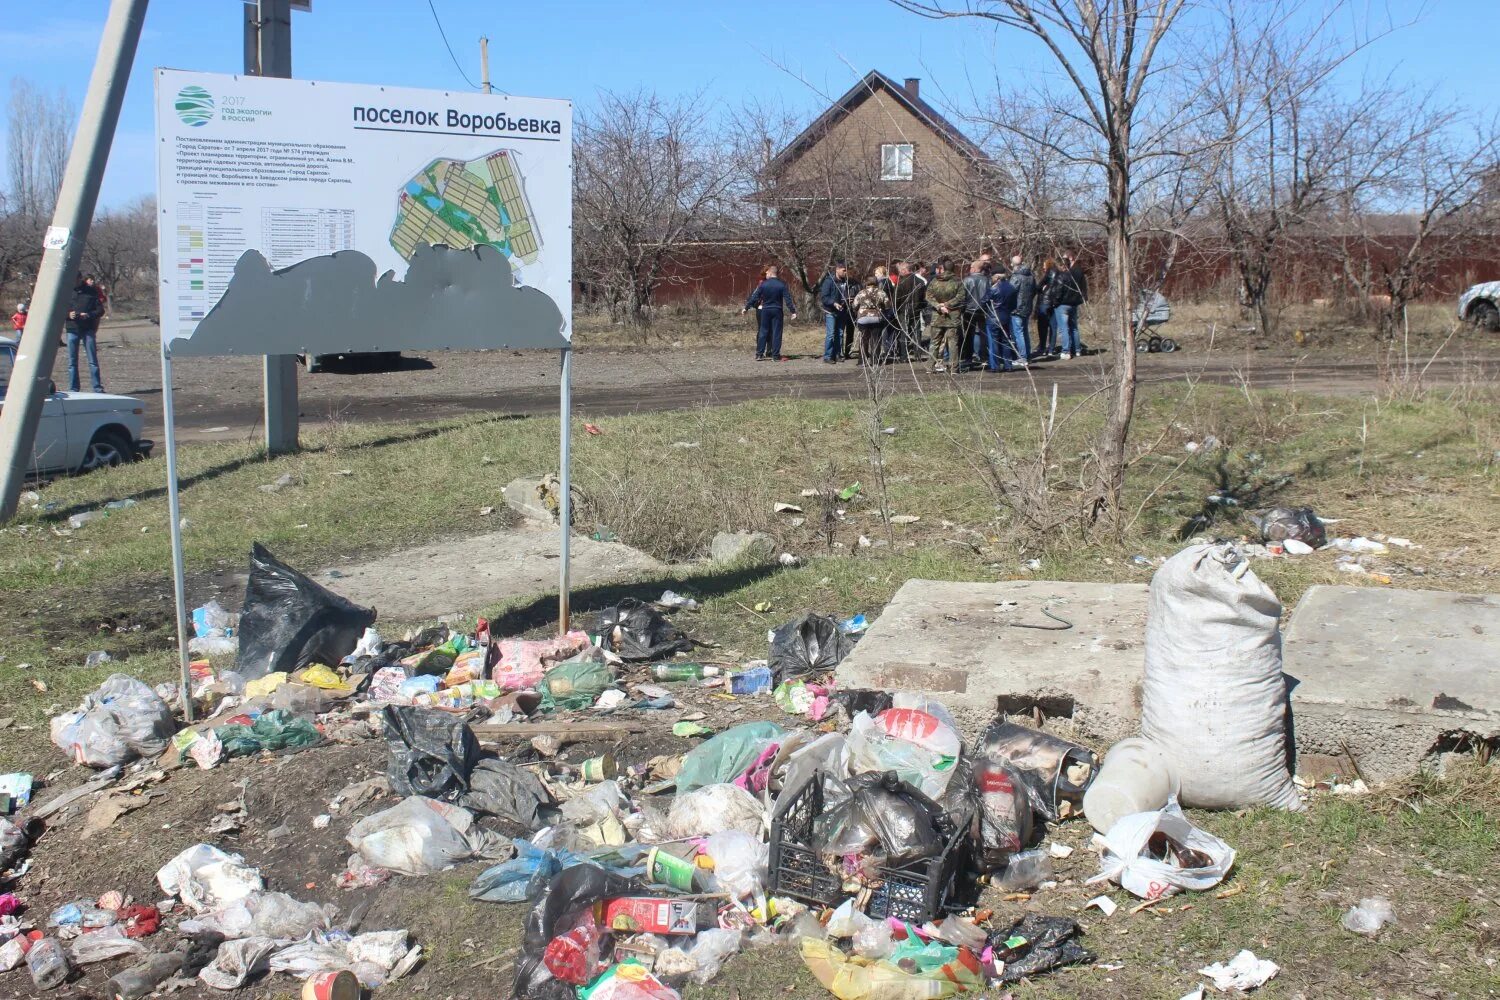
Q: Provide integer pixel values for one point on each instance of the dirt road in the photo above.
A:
(219, 398)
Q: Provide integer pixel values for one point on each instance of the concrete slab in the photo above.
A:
(960, 642)
(1394, 676)
(465, 574)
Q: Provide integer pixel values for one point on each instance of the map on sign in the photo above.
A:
(462, 204)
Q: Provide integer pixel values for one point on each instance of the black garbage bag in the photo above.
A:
(878, 817)
(288, 621)
(812, 644)
(1280, 523)
(1037, 943)
(555, 910)
(516, 795)
(636, 632)
(432, 753)
(856, 700)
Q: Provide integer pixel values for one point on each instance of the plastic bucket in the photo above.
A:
(1136, 777)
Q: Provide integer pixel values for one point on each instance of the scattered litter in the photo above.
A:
(1296, 523)
(672, 599)
(1369, 916)
(1244, 972)
(1103, 904)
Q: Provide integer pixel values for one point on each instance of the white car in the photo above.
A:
(1480, 305)
(80, 431)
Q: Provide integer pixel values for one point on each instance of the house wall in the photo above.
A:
(853, 145)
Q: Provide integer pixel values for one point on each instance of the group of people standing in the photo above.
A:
(980, 319)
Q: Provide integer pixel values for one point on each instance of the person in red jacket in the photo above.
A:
(18, 321)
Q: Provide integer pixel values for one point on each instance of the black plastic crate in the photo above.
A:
(915, 892)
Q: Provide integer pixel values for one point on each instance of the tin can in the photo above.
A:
(665, 868)
(341, 985)
(597, 769)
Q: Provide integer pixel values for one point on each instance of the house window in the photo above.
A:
(895, 161)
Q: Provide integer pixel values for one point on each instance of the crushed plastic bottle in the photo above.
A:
(684, 671)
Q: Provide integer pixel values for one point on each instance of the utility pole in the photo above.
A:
(484, 63)
(268, 52)
(31, 380)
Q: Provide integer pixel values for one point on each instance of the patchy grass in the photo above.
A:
(665, 482)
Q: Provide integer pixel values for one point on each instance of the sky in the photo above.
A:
(797, 53)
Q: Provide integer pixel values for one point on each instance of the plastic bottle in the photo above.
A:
(756, 680)
(1135, 777)
(684, 671)
(573, 956)
(48, 962)
(143, 979)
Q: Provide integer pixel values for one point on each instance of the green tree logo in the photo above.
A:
(195, 106)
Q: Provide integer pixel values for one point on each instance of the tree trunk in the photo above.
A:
(1112, 439)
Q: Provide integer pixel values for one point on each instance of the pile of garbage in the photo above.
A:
(1300, 531)
(859, 826)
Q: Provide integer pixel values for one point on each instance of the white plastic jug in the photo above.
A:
(1136, 777)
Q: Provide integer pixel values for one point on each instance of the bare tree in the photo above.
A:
(1292, 147)
(121, 251)
(41, 127)
(650, 175)
(1107, 51)
(1433, 201)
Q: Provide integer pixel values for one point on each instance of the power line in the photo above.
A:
(456, 64)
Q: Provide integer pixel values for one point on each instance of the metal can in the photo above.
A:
(665, 868)
(597, 769)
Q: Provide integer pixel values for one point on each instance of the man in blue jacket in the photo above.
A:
(999, 306)
(836, 296)
(768, 298)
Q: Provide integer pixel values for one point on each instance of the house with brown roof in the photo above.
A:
(883, 154)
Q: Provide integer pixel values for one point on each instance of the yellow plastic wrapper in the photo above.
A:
(262, 686)
(850, 977)
(320, 676)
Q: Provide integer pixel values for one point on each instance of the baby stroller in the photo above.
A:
(1152, 310)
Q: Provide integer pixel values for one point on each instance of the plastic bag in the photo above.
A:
(13, 843)
(1282, 523)
(576, 683)
(1214, 699)
(628, 981)
(710, 951)
(1369, 916)
(857, 978)
(518, 664)
(515, 794)
(517, 879)
(206, 878)
(880, 819)
(264, 914)
(724, 757)
(1025, 871)
(739, 861)
(569, 894)
(419, 836)
(238, 961)
(916, 745)
(1152, 866)
(431, 752)
(308, 958)
(1005, 812)
(1057, 772)
(288, 621)
(813, 644)
(713, 809)
(103, 945)
(277, 729)
(1036, 944)
(637, 632)
(122, 720)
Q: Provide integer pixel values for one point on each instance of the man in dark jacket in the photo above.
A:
(1000, 305)
(910, 300)
(83, 326)
(1025, 282)
(768, 298)
(836, 295)
(1072, 292)
(976, 289)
